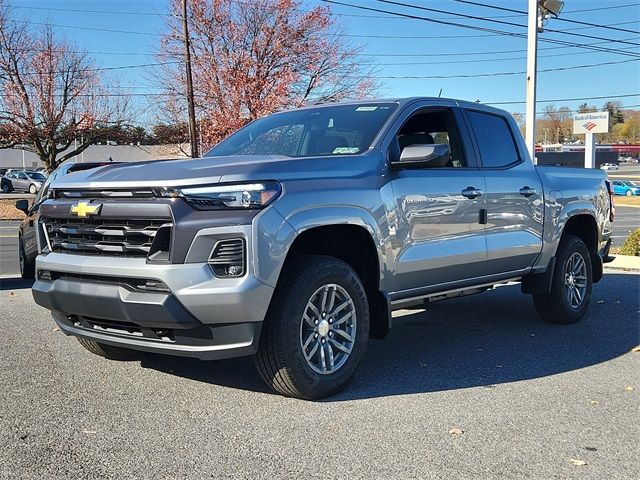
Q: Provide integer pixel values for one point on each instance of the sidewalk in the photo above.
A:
(624, 262)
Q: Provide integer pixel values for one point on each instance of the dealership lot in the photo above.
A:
(530, 398)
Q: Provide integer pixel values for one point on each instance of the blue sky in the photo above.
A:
(470, 53)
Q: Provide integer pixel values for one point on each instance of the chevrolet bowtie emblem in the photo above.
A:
(83, 209)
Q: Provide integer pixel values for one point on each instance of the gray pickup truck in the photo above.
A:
(296, 237)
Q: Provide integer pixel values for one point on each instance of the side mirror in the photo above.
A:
(23, 206)
(424, 156)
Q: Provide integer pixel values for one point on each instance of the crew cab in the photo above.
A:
(295, 238)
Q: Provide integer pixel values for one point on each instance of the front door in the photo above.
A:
(438, 236)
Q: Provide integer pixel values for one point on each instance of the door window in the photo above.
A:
(495, 141)
(433, 127)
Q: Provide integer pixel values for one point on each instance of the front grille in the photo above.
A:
(108, 237)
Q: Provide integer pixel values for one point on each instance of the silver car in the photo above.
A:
(22, 180)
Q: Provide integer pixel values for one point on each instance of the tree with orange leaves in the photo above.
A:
(251, 58)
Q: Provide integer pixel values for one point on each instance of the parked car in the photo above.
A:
(609, 166)
(625, 187)
(22, 180)
(27, 237)
(294, 238)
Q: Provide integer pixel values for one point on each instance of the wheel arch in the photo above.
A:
(585, 227)
(354, 242)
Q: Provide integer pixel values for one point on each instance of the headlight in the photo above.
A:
(225, 196)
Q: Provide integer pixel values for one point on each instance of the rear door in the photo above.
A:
(514, 194)
(437, 232)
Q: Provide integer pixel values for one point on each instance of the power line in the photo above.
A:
(504, 74)
(101, 69)
(562, 19)
(626, 95)
(502, 22)
(484, 29)
(500, 33)
(339, 14)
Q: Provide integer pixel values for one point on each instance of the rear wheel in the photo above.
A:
(108, 351)
(316, 330)
(32, 189)
(571, 284)
(27, 266)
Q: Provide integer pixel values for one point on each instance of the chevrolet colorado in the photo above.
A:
(296, 237)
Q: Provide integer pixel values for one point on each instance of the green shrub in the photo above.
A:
(631, 244)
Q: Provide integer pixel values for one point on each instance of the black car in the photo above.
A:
(27, 238)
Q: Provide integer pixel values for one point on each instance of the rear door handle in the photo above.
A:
(471, 192)
(527, 191)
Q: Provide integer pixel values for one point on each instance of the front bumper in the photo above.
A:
(196, 314)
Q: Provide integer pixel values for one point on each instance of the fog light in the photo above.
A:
(44, 275)
(234, 270)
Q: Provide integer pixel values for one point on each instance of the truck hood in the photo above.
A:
(209, 170)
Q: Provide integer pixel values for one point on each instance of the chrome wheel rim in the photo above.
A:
(575, 280)
(328, 329)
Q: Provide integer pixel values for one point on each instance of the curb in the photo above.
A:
(624, 262)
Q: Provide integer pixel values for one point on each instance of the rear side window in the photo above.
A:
(492, 132)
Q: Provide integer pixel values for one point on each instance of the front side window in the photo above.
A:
(496, 144)
(323, 131)
(433, 127)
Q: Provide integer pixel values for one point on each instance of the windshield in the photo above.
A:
(334, 130)
(36, 176)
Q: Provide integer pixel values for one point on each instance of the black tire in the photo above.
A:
(33, 189)
(109, 351)
(27, 267)
(6, 188)
(556, 306)
(280, 359)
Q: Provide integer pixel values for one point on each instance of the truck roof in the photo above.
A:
(403, 101)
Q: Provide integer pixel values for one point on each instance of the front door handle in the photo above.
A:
(471, 192)
(527, 191)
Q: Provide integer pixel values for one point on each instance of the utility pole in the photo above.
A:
(193, 137)
(537, 12)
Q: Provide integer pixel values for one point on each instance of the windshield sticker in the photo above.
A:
(344, 150)
(366, 109)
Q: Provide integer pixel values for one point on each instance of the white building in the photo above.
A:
(13, 158)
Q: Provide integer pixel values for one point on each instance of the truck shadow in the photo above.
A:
(481, 340)
(15, 283)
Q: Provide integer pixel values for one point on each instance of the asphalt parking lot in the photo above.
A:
(531, 400)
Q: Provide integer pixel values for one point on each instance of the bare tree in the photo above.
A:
(53, 97)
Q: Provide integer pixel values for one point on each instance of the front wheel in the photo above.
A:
(571, 284)
(32, 189)
(629, 193)
(27, 266)
(316, 330)
(6, 188)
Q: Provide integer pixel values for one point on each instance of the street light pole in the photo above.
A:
(538, 10)
(532, 66)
